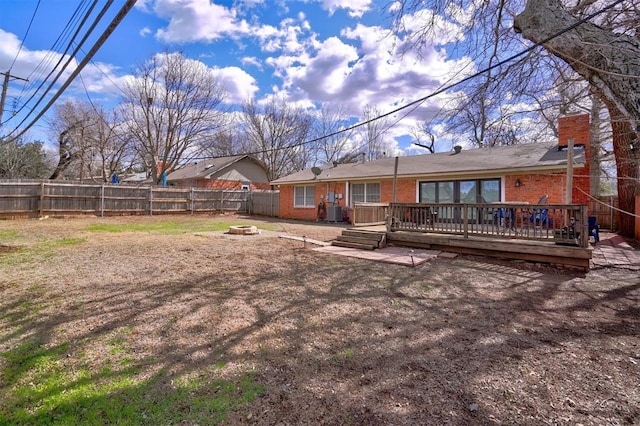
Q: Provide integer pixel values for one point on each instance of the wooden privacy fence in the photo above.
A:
(605, 209)
(265, 203)
(43, 198)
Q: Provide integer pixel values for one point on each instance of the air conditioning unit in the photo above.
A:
(334, 214)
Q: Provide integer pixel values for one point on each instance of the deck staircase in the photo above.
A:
(361, 239)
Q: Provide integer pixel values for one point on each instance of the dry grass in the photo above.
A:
(303, 337)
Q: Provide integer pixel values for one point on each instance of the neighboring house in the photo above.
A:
(235, 172)
(515, 173)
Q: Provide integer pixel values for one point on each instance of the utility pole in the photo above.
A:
(7, 75)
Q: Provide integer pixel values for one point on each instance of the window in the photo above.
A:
(365, 192)
(460, 191)
(304, 196)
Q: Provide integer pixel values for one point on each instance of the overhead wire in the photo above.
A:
(105, 35)
(50, 56)
(446, 88)
(26, 34)
(69, 60)
(62, 56)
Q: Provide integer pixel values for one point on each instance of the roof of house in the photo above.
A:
(204, 169)
(501, 159)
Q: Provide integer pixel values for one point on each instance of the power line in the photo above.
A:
(24, 38)
(66, 64)
(444, 89)
(50, 56)
(105, 35)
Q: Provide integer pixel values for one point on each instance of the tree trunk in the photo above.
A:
(626, 167)
(595, 145)
(610, 62)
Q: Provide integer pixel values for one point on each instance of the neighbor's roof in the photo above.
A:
(205, 168)
(502, 159)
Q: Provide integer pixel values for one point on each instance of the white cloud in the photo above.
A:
(145, 32)
(355, 8)
(252, 61)
(198, 20)
(237, 82)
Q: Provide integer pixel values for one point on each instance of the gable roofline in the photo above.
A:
(205, 168)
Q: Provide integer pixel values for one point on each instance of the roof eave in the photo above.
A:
(504, 171)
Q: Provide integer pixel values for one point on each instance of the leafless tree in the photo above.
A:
(373, 134)
(424, 137)
(71, 125)
(333, 145)
(171, 107)
(111, 147)
(276, 132)
(224, 143)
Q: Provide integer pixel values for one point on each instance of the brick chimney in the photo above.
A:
(576, 127)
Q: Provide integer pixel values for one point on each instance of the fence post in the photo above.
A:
(611, 218)
(102, 200)
(151, 201)
(42, 199)
(192, 199)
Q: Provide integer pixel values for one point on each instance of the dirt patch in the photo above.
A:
(338, 340)
(7, 249)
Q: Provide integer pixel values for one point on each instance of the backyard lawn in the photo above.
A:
(169, 320)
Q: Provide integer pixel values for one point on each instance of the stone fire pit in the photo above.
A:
(243, 230)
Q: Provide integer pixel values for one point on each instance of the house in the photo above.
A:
(234, 172)
(516, 173)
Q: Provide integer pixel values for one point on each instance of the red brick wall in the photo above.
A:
(289, 211)
(405, 191)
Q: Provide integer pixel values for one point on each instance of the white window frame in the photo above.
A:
(308, 199)
(367, 192)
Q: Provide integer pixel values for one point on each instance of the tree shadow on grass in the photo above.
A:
(344, 341)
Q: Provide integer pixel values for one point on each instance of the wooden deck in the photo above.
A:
(481, 229)
(529, 250)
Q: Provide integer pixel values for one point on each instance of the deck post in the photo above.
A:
(465, 220)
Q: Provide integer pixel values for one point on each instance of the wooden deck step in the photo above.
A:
(371, 235)
(361, 246)
(360, 239)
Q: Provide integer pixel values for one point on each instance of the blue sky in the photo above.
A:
(336, 52)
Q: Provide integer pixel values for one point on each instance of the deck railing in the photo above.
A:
(559, 223)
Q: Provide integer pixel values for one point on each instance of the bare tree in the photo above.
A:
(424, 137)
(72, 123)
(276, 132)
(333, 143)
(224, 143)
(111, 147)
(373, 141)
(171, 107)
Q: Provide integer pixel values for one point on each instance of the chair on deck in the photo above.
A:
(594, 228)
(540, 217)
